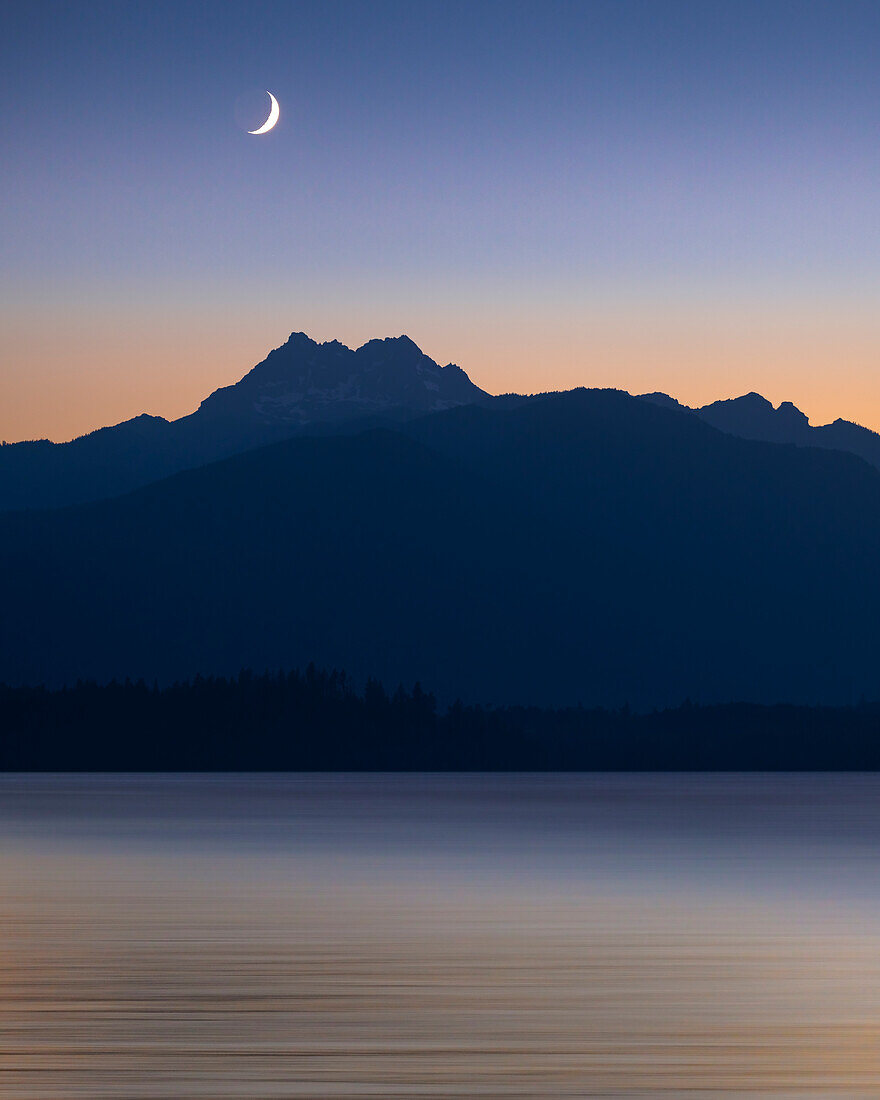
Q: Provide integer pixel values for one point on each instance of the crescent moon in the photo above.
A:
(274, 113)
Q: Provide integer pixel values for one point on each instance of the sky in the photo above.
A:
(647, 194)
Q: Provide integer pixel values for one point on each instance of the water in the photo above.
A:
(439, 936)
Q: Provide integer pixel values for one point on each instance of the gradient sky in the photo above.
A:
(649, 195)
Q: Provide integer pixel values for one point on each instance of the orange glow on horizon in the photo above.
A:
(64, 380)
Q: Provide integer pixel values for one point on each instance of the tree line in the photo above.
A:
(315, 720)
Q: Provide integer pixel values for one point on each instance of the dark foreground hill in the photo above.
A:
(586, 547)
(301, 386)
(316, 721)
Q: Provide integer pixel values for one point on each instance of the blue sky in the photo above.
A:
(679, 196)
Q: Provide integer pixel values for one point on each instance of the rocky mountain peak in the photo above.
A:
(304, 382)
(790, 413)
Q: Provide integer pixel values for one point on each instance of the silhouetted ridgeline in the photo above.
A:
(317, 721)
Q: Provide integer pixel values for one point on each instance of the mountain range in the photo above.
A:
(301, 386)
(753, 417)
(586, 546)
(307, 387)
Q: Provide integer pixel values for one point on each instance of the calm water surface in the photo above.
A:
(439, 936)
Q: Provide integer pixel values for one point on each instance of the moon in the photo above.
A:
(274, 113)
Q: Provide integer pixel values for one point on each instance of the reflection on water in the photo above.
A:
(469, 936)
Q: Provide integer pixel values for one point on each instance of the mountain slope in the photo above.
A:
(298, 387)
(586, 547)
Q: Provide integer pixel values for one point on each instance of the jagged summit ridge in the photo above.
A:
(303, 382)
(752, 416)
